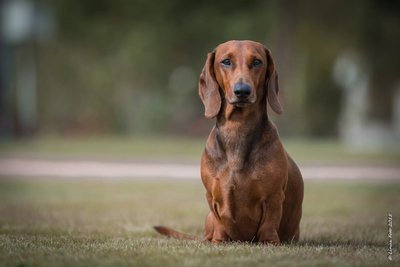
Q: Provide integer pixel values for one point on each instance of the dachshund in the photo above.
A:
(254, 189)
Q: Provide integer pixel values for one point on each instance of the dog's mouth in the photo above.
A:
(240, 103)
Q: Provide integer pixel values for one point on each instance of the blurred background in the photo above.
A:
(102, 129)
(73, 69)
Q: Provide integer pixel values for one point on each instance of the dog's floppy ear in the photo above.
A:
(209, 88)
(272, 85)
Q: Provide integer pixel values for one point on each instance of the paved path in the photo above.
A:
(134, 170)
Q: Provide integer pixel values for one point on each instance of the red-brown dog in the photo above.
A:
(254, 189)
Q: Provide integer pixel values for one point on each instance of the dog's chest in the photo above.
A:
(239, 199)
(237, 187)
(242, 164)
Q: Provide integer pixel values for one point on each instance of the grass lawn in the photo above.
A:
(177, 148)
(106, 223)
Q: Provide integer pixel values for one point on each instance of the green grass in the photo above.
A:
(177, 148)
(108, 147)
(108, 223)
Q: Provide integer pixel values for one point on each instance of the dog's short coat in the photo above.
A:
(254, 188)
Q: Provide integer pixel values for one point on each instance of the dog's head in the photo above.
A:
(240, 73)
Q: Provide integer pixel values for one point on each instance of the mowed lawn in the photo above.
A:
(46, 222)
(179, 148)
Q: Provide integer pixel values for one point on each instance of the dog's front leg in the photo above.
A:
(214, 230)
(272, 214)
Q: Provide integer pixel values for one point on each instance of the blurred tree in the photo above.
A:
(379, 42)
(113, 63)
(117, 58)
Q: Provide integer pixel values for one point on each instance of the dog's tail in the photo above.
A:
(174, 234)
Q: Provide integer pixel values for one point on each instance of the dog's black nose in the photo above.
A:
(242, 90)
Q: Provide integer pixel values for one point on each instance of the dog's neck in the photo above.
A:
(239, 131)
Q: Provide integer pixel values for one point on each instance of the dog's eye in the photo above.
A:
(226, 62)
(256, 62)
